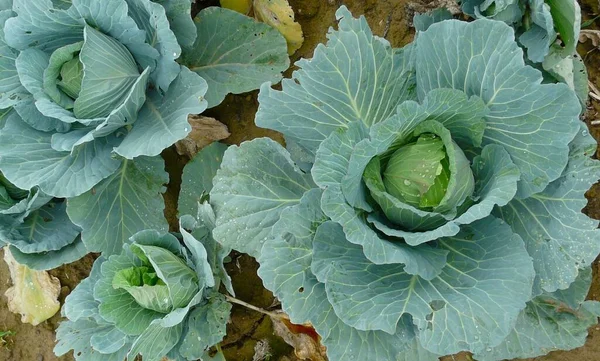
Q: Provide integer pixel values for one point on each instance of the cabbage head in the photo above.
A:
(429, 199)
(94, 91)
(156, 298)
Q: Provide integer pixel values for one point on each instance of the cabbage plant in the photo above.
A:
(94, 91)
(429, 199)
(159, 297)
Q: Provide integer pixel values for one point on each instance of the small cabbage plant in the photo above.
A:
(159, 297)
(429, 199)
(95, 90)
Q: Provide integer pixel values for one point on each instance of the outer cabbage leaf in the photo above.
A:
(552, 321)
(541, 34)
(355, 77)
(42, 29)
(257, 180)
(3, 115)
(206, 327)
(80, 303)
(152, 18)
(285, 269)
(569, 69)
(77, 336)
(37, 228)
(85, 328)
(47, 260)
(125, 203)
(533, 122)
(163, 119)
(483, 288)
(6, 4)
(196, 213)
(179, 15)
(233, 60)
(28, 160)
(422, 22)
(567, 20)
(560, 239)
(19, 203)
(200, 228)
(197, 178)
(416, 352)
(46, 229)
(148, 347)
(11, 89)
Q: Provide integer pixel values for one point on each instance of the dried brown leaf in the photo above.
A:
(593, 35)
(303, 338)
(205, 130)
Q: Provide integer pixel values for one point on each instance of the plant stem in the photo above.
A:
(254, 308)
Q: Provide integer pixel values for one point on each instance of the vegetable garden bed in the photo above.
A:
(447, 194)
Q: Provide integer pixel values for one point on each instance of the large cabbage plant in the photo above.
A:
(429, 201)
(93, 91)
(159, 296)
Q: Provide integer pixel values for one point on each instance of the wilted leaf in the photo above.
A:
(34, 294)
(593, 35)
(303, 338)
(241, 6)
(280, 15)
(205, 130)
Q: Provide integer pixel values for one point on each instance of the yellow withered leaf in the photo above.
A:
(34, 294)
(241, 6)
(280, 15)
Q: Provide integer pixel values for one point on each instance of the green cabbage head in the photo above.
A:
(156, 298)
(428, 201)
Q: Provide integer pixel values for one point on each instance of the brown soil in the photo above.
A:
(388, 18)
